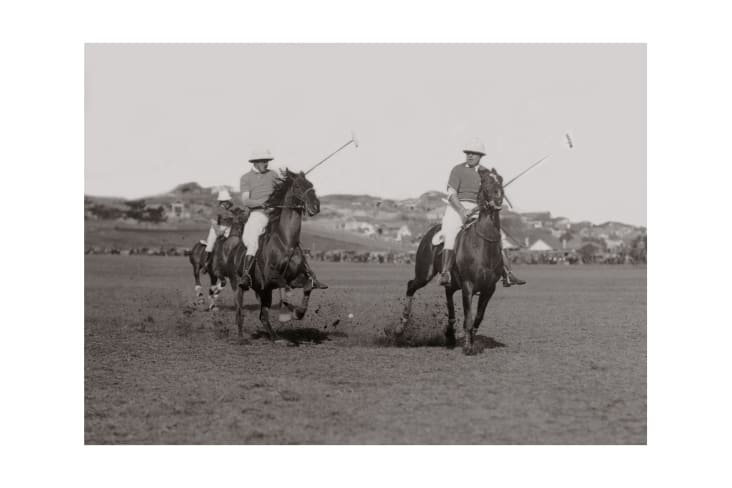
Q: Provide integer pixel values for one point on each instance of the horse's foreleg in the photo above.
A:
(303, 308)
(214, 290)
(285, 315)
(483, 300)
(265, 298)
(450, 329)
(467, 289)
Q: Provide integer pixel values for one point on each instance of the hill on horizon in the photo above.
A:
(387, 222)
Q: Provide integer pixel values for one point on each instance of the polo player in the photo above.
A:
(256, 187)
(462, 194)
(220, 223)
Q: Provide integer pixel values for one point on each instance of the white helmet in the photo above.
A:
(475, 146)
(261, 155)
(224, 196)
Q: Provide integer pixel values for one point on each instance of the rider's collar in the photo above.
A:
(474, 167)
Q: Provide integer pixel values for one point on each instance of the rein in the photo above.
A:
(488, 207)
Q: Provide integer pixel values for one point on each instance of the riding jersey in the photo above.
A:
(259, 186)
(465, 181)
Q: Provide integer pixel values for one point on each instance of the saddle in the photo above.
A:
(439, 237)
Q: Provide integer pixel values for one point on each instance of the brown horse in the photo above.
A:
(478, 263)
(280, 261)
(222, 254)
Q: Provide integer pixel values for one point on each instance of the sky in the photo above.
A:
(157, 115)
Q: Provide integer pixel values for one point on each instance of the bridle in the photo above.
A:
(301, 199)
(486, 206)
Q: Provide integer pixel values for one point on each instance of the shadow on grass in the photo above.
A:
(481, 342)
(300, 335)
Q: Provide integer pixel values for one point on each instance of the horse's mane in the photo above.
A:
(485, 175)
(277, 197)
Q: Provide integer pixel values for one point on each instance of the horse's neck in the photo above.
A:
(487, 221)
(289, 227)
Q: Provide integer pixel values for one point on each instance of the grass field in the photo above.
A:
(564, 362)
(315, 236)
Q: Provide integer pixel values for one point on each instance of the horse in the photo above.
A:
(280, 261)
(478, 263)
(223, 250)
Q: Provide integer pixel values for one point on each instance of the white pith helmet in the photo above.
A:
(223, 196)
(475, 146)
(261, 155)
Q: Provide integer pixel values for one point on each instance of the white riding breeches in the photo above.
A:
(451, 223)
(254, 228)
(213, 233)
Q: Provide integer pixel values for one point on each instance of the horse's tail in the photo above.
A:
(427, 256)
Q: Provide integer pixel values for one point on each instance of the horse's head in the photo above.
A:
(491, 189)
(304, 193)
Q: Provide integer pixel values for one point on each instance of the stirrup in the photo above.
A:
(510, 279)
(318, 285)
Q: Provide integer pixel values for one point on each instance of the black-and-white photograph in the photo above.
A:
(365, 244)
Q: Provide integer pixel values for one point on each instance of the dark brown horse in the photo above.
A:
(280, 261)
(219, 266)
(478, 263)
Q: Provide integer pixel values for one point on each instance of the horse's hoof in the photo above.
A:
(469, 350)
(240, 341)
(450, 342)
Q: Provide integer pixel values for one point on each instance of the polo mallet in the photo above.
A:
(570, 144)
(353, 141)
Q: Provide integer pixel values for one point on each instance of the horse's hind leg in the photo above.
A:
(240, 313)
(198, 289)
(450, 329)
(412, 287)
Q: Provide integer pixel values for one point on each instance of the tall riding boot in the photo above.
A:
(510, 279)
(448, 260)
(205, 264)
(311, 274)
(245, 280)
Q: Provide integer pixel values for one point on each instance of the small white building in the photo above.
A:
(362, 227)
(540, 245)
(178, 211)
(403, 233)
